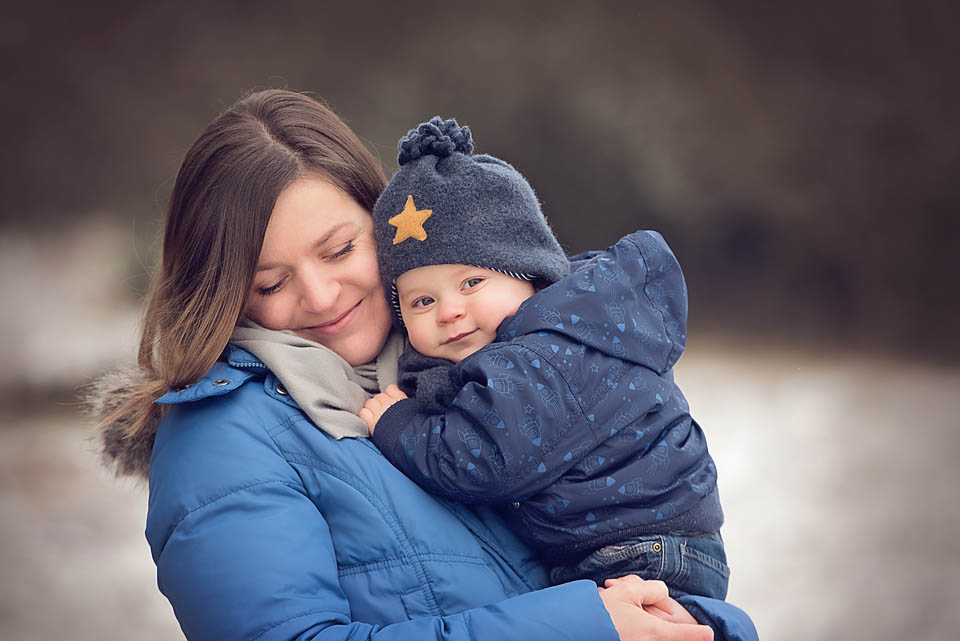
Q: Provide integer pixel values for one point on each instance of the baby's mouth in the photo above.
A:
(454, 339)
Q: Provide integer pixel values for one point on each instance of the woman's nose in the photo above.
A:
(449, 312)
(319, 293)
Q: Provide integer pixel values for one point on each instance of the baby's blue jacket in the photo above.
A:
(571, 420)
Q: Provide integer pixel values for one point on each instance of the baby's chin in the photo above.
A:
(455, 356)
(454, 351)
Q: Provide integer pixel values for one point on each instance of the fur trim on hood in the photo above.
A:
(125, 455)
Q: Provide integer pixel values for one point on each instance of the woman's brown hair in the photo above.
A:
(221, 203)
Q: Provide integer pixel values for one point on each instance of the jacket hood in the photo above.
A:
(130, 456)
(628, 302)
(126, 456)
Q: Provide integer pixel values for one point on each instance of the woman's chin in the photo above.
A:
(364, 336)
(358, 350)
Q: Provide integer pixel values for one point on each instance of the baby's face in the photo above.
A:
(451, 311)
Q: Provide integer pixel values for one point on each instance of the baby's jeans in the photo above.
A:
(687, 564)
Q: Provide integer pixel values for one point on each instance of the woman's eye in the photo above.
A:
(266, 291)
(472, 282)
(346, 249)
(424, 301)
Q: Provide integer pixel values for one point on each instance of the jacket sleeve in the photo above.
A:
(729, 622)
(257, 562)
(506, 435)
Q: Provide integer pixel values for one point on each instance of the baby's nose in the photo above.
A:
(449, 312)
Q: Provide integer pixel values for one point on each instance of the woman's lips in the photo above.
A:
(337, 324)
(458, 337)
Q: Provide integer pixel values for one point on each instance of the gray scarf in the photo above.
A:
(325, 386)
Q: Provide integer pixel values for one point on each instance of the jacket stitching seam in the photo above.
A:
(557, 370)
(186, 514)
(235, 491)
(300, 616)
(648, 275)
(497, 548)
(384, 511)
(361, 568)
(284, 424)
(536, 349)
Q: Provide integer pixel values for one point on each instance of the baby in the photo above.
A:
(538, 383)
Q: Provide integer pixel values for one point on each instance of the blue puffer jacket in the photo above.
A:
(573, 415)
(263, 527)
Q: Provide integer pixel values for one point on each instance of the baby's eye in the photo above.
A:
(423, 301)
(472, 282)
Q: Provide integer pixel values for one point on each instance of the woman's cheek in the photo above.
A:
(272, 314)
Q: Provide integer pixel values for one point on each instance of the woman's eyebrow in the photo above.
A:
(323, 240)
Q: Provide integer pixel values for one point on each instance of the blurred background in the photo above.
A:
(800, 159)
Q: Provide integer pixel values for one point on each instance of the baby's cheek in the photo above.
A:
(419, 343)
(421, 338)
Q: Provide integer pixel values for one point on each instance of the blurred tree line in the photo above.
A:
(801, 159)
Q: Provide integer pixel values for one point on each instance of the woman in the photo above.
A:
(268, 517)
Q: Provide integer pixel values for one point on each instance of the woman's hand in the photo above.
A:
(374, 408)
(627, 600)
(668, 609)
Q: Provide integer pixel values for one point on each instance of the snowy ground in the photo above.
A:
(837, 479)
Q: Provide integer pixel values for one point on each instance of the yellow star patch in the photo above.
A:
(409, 222)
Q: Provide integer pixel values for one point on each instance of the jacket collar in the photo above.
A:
(235, 368)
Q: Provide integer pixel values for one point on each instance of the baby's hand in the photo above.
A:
(374, 408)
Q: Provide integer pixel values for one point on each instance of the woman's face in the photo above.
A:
(317, 274)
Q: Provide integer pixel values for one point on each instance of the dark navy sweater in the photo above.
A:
(571, 419)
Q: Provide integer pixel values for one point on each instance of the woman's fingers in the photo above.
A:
(667, 608)
(670, 610)
(666, 631)
(637, 594)
(621, 579)
(625, 602)
(684, 632)
(635, 590)
(645, 592)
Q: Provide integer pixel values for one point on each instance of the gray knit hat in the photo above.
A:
(445, 206)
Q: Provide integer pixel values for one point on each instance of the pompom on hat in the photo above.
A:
(447, 206)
